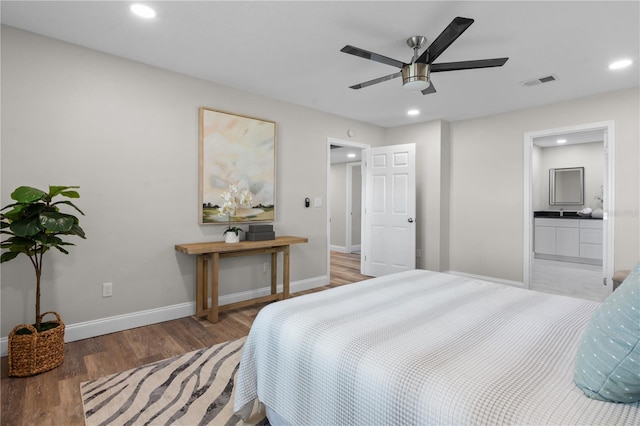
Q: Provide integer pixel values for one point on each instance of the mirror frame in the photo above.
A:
(553, 201)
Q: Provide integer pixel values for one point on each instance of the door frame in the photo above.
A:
(355, 145)
(608, 196)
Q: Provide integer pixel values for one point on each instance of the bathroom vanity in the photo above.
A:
(569, 237)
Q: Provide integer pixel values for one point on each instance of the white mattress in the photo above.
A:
(418, 348)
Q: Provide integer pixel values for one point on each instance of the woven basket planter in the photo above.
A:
(35, 353)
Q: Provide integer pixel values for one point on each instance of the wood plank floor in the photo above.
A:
(53, 398)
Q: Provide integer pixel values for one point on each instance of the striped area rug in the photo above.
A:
(191, 389)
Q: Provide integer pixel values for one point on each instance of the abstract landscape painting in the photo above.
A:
(236, 150)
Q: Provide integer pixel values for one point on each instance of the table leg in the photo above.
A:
(285, 273)
(274, 272)
(202, 284)
(213, 314)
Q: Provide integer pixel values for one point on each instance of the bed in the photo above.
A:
(419, 348)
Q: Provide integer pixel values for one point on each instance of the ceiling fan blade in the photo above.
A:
(444, 40)
(376, 81)
(468, 65)
(430, 89)
(356, 51)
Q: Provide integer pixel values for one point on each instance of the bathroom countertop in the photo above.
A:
(555, 214)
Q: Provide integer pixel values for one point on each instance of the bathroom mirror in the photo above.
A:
(566, 186)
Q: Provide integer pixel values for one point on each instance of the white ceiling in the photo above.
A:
(586, 136)
(345, 155)
(349, 154)
(291, 50)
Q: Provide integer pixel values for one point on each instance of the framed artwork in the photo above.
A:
(236, 152)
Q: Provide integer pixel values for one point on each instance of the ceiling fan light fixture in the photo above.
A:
(415, 76)
(618, 65)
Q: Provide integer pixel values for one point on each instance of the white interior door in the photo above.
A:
(390, 205)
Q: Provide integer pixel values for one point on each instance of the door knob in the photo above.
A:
(410, 220)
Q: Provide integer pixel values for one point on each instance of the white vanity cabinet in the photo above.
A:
(573, 240)
(545, 238)
(591, 239)
(559, 237)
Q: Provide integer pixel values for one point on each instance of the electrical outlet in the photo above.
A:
(107, 289)
(418, 253)
(266, 267)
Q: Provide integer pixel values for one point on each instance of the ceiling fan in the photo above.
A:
(416, 74)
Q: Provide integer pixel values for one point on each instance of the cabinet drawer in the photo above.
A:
(565, 223)
(592, 236)
(591, 251)
(591, 223)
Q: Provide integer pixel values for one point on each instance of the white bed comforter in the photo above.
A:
(420, 348)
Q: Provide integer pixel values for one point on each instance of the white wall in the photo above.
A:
(487, 181)
(345, 181)
(432, 186)
(338, 225)
(588, 155)
(539, 179)
(127, 134)
(356, 203)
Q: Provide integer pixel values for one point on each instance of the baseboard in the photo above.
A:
(342, 249)
(98, 327)
(294, 287)
(309, 283)
(490, 279)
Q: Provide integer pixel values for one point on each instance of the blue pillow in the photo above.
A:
(608, 358)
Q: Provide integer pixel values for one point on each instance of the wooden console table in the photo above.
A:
(209, 255)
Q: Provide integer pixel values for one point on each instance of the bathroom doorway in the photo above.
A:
(569, 244)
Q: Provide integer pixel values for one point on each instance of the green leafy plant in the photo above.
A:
(35, 224)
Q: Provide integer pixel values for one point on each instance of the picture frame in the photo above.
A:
(236, 150)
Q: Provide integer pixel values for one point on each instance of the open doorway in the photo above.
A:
(568, 245)
(346, 201)
(344, 196)
(388, 191)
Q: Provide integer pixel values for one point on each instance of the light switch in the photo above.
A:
(317, 202)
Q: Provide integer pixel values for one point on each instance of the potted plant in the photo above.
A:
(233, 198)
(35, 224)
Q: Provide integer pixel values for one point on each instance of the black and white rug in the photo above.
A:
(191, 389)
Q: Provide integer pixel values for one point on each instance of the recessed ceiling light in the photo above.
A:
(623, 63)
(413, 112)
(143, 11)
(561, 141)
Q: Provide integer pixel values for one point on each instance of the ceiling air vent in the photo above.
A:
(536, 81)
